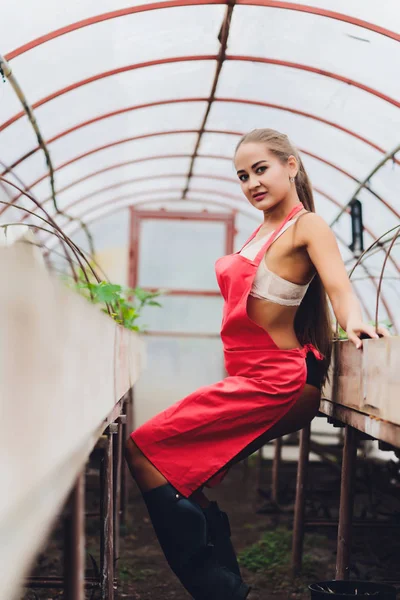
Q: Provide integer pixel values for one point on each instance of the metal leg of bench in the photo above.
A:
(346, 503)
(299, 511)
(107, 518)
(276, 467)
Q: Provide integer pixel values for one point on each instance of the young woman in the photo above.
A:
(276, 332)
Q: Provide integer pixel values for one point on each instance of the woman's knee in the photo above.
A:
(142, 470)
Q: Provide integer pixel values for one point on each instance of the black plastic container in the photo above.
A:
(339, 590)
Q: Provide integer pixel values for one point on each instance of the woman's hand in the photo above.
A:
(355, 330)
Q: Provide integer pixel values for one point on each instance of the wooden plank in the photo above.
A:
(373, 426)
(369, 380)
(64, 365)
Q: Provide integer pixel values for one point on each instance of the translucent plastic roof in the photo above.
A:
(143, 103)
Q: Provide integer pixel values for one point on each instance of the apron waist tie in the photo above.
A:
(310, 348)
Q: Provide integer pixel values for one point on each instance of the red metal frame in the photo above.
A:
(151, 193)
(231, 234)
(110, 145)
(199, 132)
(312, 116)
(103, 75)
(166, 156)
(211, 156)
(340, 240)
(221, 56)
(307, 115)
(138, 216)
(230, 57)
(152, 200)
(129, 163)
(181, 3)
(139, 179)
(170, 60)
(144, 159)
(161, 176)
(316, 70)
(174, 132)
(114, 201)
(214, 192)
(117, 200)
(133, 233)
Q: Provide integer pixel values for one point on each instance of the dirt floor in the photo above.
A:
(261, 534)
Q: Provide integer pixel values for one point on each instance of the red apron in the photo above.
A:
(192, 440)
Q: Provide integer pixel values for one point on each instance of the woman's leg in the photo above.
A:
(142, 470)
(182, 530)
(295, 419)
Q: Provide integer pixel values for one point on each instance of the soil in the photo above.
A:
(244, 495)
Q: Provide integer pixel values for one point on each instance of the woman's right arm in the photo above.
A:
(324, 253)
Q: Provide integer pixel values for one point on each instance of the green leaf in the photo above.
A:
(125, 312)
(141, 294)
(108, 292)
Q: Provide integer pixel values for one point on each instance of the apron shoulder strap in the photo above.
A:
(253, 235)
(274, 235)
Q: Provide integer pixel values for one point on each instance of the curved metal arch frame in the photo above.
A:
(367, 229)
(111, 145)
(364, 185)
(138, 180)
(221, 57)
(181, 156)
(263, 3)
(183, 100)
(27, 155)
(207, 156)
(214, 192)
(174, 190)
(204, 57)
(249, 102)
(182, 3)
(174, 132)
(199, 58)
(239, 209)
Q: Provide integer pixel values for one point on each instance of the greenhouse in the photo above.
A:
(200, 376)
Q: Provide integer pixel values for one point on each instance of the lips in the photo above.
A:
(259, 196)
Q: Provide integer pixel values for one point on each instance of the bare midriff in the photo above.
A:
(276, 319)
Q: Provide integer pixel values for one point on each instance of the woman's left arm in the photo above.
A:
(320, 242)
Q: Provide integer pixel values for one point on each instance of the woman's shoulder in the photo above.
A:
(310, 225)
(308, 219)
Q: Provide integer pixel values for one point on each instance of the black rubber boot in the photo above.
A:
(181, 529)
(220, 536)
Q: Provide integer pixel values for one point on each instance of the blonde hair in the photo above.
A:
(313, 320)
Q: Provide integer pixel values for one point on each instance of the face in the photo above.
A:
(264, 179)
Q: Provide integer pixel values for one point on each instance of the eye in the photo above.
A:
(243, 177)
(261, 169)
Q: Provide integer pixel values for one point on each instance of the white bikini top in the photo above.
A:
(269, 286)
